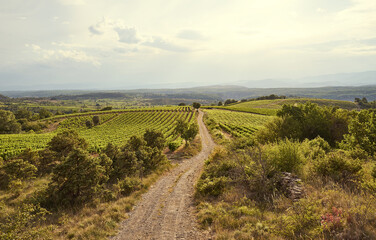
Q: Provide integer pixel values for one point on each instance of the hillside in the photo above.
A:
(270, 107)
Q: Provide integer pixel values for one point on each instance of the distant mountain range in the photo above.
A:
(340, 79)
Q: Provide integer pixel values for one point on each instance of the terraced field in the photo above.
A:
(116, 127)
(270, 107)
(236, 123)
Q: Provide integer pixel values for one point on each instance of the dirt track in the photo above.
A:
(166, 211)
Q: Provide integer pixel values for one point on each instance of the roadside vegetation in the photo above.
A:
(309, 173)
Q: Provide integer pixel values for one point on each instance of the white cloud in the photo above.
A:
(47, 55)
(127, 35)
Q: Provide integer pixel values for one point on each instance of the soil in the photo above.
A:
(167, 210)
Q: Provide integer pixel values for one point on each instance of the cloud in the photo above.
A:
(63, 54)
(127, 35)
(190, 35)
(124, 33)
(158, 42)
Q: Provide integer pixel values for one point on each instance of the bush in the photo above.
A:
(8, 123)
(129, 185)
(16, 171)
(211, 186)
(76, 179)
(64, 142)
(89, 124)
(338, 167)
(286, 156)
(173, 145)
(96, 120)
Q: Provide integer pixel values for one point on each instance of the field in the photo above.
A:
(115, 127)
(236, 123)
(270, 107)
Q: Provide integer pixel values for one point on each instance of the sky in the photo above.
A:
(112, 44)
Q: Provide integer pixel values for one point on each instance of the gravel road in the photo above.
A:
(166, 211)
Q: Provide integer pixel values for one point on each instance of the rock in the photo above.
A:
(291, 186)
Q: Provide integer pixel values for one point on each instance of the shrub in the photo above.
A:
(211, 186)
(76, 179)
(89, 124)
(154, 139)
(8, 123)
(285, 156)
(16, 171)
(96, 120)
(23, 224)
(129, 185)
(64, 142)
(338, 167)
(173, 145)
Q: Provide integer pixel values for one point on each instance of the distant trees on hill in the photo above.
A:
(363, 103)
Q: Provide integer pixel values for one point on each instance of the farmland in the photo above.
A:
(235, 123)
(116, 127)
(270, 107)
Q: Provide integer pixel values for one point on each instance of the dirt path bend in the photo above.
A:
(166, 211)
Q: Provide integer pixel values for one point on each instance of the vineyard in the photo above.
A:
(236, 123)
(270, 107)
(115, 127)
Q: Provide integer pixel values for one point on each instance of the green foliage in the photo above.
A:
(89, 124)
(129, 185)
(15, 171)
(23, 113)
(64, 142)
(76, 180)
(196, 105)
(173, 145)
(187, 131)
(23, 224)
(8, 123)
(211, 186)
(338, 167)
(96, 120)
(44, 113)
(286, 156)
(154, 138)
(307, 121)
(362, 132)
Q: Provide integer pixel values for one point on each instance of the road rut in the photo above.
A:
(166, 211)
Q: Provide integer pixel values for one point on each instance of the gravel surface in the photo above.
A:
(167, 211)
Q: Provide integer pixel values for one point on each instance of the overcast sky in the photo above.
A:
(112, 44)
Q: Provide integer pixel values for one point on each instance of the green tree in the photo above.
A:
(16, 171)
(362, 131)
(196, 105)
(8, 123)
(64, 142)
(154, 139)
(89, 124)
(77, 179)
(23, 113)
(44, 113)
(96, 120)
(190, 133)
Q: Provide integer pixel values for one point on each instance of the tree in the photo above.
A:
(89, 124)
(8, 123)
(190, 133)
(154, 139)
(16, 170)
(362, 131)
(44, 113)
(182, 104)
(76, 179)
(220, 103)
(196, 105)
(96, 120)
(23, 113)
(186, 131)
(64, 142)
